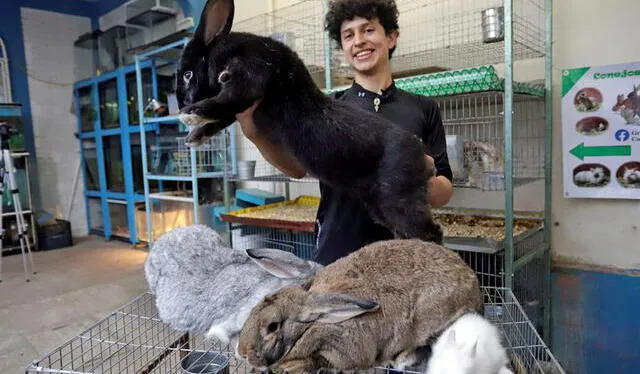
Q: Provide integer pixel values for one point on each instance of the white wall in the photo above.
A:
(48, 40)
(601, 232)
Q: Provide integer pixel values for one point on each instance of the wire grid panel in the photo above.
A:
(133, 339)
(449, 34)
(477, 120)
(299, 26)
(525, 347)
(210, 157)
(300, 243)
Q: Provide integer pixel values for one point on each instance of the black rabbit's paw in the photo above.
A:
(197, 136)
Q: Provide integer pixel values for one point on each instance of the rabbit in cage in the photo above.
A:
(362, 311)
(481, 157)
(222, 74)
(201, 285)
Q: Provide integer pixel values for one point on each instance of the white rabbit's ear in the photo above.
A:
(282, 264)
(216, 20)
(334, 308)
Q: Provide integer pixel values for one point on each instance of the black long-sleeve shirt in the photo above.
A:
(343, 224)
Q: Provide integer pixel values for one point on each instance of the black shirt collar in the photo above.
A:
(360, 91)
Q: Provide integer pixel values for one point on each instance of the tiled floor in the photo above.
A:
(74, 288)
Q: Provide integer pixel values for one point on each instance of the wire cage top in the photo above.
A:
(133, 339)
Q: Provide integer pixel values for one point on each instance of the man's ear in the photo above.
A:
(393, 38)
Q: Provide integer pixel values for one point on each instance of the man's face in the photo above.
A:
(365, 44)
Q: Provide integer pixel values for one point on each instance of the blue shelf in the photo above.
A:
(118, 163)
(192, 197)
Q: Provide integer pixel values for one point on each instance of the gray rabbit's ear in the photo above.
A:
(216, 20)
(282, 264)
(334, 308)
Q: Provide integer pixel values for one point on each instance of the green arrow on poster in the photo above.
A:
(581, 151)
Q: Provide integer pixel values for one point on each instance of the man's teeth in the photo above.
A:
(363, 53)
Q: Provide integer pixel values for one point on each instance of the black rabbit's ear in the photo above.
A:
(216, 20)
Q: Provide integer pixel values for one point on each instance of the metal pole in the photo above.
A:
(508, 141)
(327, 51)
(143, 145)
(548, 149)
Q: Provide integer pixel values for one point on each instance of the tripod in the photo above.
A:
(7, 169)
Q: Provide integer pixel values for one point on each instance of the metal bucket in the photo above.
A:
(246, 169)
(205, 362)
(493, 25)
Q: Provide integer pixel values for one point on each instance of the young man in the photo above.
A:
(367, 31)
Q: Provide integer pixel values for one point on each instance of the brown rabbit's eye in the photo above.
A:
(224, 77)
(273, 327)
(188, 75)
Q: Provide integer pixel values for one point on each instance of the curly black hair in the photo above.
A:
(339, 11)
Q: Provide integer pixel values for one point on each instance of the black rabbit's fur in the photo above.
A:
(343, 146)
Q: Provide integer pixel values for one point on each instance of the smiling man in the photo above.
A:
(367, 31)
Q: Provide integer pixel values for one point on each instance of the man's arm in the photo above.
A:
(439, 187)
(274, 155)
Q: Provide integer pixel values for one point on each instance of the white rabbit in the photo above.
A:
(202, 285)
(592, 176)
(631, 176)
(471, 345)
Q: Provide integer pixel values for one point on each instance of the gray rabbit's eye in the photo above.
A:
(224, 77)
(188, 75)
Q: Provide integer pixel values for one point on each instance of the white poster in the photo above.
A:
(601, 131)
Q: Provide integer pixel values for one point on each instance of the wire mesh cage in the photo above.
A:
(300, 27)
(475, 125)
(454, 34)
(170, 155)
(133, 339)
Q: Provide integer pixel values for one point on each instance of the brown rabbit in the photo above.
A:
(378, 306)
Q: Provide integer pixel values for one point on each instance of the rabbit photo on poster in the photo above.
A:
(223, 73)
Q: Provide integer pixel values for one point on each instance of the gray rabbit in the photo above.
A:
(202, 285)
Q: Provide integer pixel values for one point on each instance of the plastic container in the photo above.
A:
(53, 236)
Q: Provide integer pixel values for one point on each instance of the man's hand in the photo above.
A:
(439, 187)
(274, 155)
(430, 163)
(245, 119)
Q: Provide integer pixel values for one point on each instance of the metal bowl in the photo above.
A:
(205, 362)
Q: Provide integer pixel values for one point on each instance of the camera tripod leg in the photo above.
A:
(23, 234)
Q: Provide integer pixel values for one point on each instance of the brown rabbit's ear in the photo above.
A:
(334, 308)
(282, 264)
(216, 20)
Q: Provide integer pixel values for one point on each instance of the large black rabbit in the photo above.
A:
(223, 73)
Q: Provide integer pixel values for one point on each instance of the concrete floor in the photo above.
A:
(74, 288)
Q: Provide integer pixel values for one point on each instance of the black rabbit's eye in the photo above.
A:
(188, 75)
(224, 77)
(273, 327)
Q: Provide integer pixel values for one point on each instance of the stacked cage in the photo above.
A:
(133, 339)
